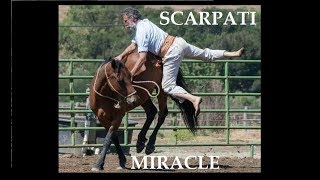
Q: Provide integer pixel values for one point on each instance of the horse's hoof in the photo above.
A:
(122, 163)
(88, 152)
(95, 169)
(120, 168)
(149, 150)
(140, 147)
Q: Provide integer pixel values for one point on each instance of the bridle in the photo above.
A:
(117, 105)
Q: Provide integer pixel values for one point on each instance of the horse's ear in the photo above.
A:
(114, 64)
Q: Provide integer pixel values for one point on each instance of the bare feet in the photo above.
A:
(196, 101)
(234, 53)
(240, 52)
(196, 105)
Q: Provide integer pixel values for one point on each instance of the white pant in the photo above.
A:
(172, 60)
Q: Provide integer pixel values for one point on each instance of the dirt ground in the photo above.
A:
(69, 163)
(232, 159)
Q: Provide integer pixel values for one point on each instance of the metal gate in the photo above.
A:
(126, 128)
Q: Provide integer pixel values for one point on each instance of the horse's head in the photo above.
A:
(119, 79)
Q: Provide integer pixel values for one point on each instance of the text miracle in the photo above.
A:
(163, 164)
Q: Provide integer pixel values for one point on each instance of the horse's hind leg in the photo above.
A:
(122, 157)
(151, 111)
(163, 112)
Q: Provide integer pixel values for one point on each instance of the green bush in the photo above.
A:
(184, 135)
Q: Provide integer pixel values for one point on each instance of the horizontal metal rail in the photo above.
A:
(165, 145)
(170, 110)
(197, 94)
(184, 61)
(186, 77)
(162, 128)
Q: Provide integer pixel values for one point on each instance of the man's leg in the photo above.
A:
(170, 71)
(209, 55)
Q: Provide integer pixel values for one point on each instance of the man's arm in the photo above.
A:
(127, 51)
(140, 62)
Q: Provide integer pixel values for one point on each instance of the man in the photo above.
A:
(149, 37)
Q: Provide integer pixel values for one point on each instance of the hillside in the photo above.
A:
(63, 9)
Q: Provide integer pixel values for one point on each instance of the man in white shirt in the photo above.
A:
(149, 37)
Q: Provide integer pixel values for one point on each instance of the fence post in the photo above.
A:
(244, 119)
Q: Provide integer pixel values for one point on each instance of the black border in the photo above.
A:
(34, 73)
(35, 79)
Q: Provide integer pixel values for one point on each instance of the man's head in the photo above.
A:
(130, 17)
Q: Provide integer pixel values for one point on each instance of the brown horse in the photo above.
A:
(112, 94)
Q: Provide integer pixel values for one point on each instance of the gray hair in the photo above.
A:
(131, 12)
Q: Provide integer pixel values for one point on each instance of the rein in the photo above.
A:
(145, 88)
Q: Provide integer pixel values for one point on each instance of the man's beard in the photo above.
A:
(132, 27)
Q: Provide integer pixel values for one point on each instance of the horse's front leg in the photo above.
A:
(116, 142)
(151, 111)
(106, 144)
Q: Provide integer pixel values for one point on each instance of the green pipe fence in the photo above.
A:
(227, 110)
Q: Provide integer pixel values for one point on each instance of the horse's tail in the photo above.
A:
(186, 108)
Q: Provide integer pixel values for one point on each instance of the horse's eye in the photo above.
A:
(120, 79)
